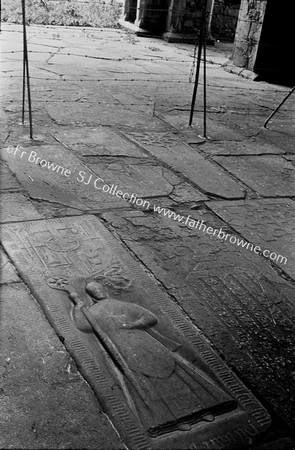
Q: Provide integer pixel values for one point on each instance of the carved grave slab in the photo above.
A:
(154, 375)
(269, 175)
(235, 297)
(169, 148)
(268, 223)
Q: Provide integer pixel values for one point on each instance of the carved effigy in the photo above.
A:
(153, 374)
(168, 390)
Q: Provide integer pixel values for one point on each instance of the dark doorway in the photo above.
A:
(275, 56)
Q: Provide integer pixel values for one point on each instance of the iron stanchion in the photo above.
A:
(197, 73)
(24, 85)
(26, 75)
(202, 43)
(205, 88)
(278, 107)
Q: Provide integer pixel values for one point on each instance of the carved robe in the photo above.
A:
(176, 389)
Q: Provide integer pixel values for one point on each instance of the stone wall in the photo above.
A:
(248, 32)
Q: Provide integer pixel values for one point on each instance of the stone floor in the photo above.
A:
(110, 108)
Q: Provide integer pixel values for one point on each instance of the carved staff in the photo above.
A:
(106, 342)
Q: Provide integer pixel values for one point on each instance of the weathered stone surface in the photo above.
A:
(15, 207)
(143, 177)
(49, 210)
(157, 227)
(231, 294)
(4, 129)
(174, 387)
(183, 193)
(268, 175)
(93, 115)
(247, 147)
(279, 137)
(7, 180)
(97, 141)
(41, 133)
(215, 130)
(70, 190)
(45, 403)
(281, 134)
(268, 223)
(7, 271)
(290, 158)
(168, 148)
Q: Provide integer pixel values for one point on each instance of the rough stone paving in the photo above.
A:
(183, 340)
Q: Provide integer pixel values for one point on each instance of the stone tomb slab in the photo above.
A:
(97, 141)
(233, 295)
(269, 175)
(7, 180)
(155, 376)
(216, 130)
(145, 177)
(233, 148)
(279, 137)
(15, 207)
(93, 115)
(43, 183)
(169, 148)
(7, 271)
(269, 223)
(4, 130)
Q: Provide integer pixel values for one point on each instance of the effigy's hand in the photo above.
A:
(142, 323)
(129, 326)
(80, 320)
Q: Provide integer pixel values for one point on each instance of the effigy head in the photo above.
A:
(96, 290)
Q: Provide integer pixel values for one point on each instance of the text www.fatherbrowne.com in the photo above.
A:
(99, 184)
(219, 233)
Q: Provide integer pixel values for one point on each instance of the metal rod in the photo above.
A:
(24, 86)
(201, 37)
(196, 78)
(278, 107)
(205, 89)
(29, 99)
(26, 74)
(24, 71)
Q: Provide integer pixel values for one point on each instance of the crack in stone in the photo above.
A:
(50, 71)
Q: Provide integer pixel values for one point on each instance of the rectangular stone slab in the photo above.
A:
(269, 223)
(41, 182)
(95, 114)
(182, 158)
(234, 296)
(97, 141)
(269, 175)
(210, 406)
(243, 148)
(15, 207)
(7, 180)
